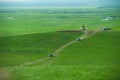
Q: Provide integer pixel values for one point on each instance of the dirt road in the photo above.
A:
(49, 60)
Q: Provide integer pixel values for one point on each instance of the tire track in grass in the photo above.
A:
(50, 60)
(85, 35)
(28, 63)
(64, 46)
(33, 62)
(58, 51)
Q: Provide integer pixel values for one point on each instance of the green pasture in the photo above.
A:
(30, 34)
(19, 49)
(100, 49)
(28, 21)
(63, 72)
(94, 58)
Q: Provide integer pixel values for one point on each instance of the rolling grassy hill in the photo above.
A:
(18, 49)
(102, 48)
(95, 58)
(29, 34)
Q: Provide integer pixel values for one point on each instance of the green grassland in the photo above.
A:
(80, 72)
(26, 21)
(102, 48)
(30, 34)
(95, 58)
(18, 49)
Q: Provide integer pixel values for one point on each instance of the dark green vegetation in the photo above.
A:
(29, 34)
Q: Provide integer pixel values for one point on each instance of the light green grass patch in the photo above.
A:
(86, 72)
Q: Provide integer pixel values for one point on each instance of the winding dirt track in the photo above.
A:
(89, 34)
(49, 60)
(58, 51)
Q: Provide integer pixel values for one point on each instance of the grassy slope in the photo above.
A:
(103, 48)
(71, 63)
(86, 72)
(95, 58)
(18, 49)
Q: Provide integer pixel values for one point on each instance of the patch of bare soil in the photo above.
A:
(4, 74)
(71, 31)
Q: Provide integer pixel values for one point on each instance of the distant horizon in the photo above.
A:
(53, 3)
(59, 6)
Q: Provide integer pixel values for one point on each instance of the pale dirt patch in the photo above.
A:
(4, 75)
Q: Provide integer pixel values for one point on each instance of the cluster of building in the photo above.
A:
(108, 18)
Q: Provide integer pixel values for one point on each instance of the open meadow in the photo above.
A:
(28, 36)
(18, 21)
